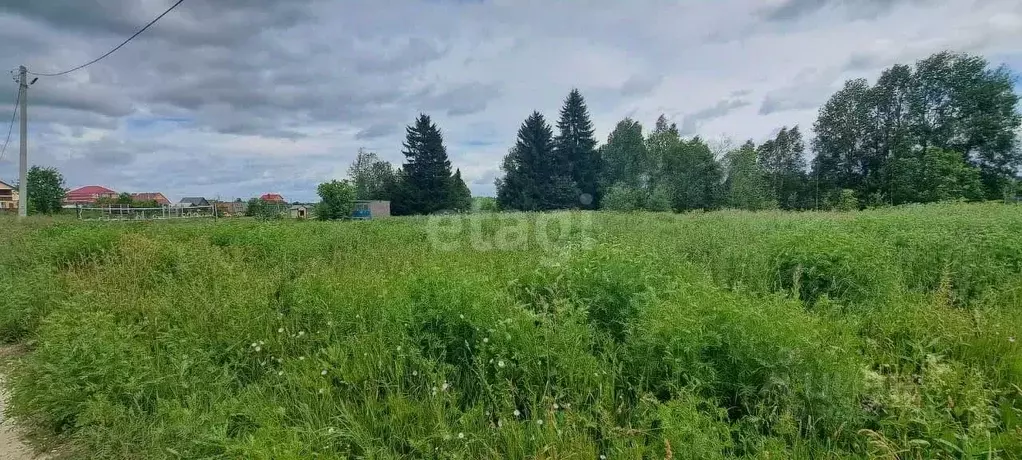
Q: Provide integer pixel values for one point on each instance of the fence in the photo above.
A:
(115, 212)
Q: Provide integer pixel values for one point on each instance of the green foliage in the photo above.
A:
(886, 333)
(783, 161)
(264, 210)
(694, 175)
(746, 185)
(950, 102)
(845, 200)
(933, 175)
(624, 157)
(534, 178)
(337, 200)
(485, 204)
(45, 190)
(621, 197)
(371, 177)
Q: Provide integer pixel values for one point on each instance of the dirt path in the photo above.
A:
(11, 445)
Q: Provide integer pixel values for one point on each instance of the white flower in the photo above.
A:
(461, 435)
(322, 390)
(539, 421)
(259, 348)
(301, 358)
(1011, 339)
(324, 372)
(517, 413)
(461, 316)
(445, 386)
(301, 333)
(556, 406)
(603, 457)
(500, 363)
(330, 430)
(280, 372)
(415, 373)
(398, 348)
(253, 344)
(486, 340)
(281, 330)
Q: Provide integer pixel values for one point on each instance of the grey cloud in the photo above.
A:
(794, 10)
(690, 125)
(809, 89)
(415, 52)
(486, 178)
(638, 85)
(459, 100)
(376, 131)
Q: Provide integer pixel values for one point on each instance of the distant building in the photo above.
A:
(88, 195)
(191, 201)
(154, 196)
(302, 211)
(373, 209)
(8, 196)
(231, 208)
(273, 198)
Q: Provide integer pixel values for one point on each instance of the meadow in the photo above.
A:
(888, 333)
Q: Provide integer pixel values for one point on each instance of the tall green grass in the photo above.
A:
(887, 333)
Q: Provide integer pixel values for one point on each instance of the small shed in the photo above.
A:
(371, 209)
(301, 211)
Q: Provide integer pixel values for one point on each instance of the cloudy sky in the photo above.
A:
(235, 98)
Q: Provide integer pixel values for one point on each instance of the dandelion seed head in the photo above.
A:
(486, 340)
(461, 435)
(517, 413)
(445, 386)
(539, 421)
(415, 373)
(259, 349)
(500, 363)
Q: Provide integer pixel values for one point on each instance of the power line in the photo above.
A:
(125, 42)
(11, 128)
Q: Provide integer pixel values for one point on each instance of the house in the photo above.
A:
(192, 201)
(231, 208)
(371, 209)
(88, 194)
(8, 196)
(302, 211)
(158, 197)
(273, 198)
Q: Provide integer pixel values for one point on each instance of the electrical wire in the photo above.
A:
(11, 128)
(125, 42)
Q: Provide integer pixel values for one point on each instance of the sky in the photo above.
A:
(236, 98)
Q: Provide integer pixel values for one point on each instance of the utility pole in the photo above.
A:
(23, 168)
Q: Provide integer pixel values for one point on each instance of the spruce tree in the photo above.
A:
(427, 170)
(532, 180)
(459, 195)
(575, 152)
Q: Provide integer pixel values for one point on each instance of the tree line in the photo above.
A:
(945, 128)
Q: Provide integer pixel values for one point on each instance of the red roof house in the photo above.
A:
(88, 194)
(153, 196)
(272, 198)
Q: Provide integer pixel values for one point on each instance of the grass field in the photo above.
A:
(887, 333)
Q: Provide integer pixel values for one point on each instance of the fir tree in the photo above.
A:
(532, 180)
(575, 152)
(427, 170)
(460, 196)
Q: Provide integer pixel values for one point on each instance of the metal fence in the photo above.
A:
(115, 212)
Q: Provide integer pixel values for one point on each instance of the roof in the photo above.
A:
(91, 190)
(6, 185)
(150, 196)
(193, 200)
(272, 197)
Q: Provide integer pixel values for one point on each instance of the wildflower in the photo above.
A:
(491, 360)
(301, 333)
(556, 406)
(500, 363)
(280, 372)
(517, 413)
(461, 435)
(445, 386)
(258, 349)
(398, 348)
(330, 430)
(434, 391)
(461, 316)
(301, 358)
(486, 340)
(281, 330)
(603, 457)
(539, 422)
(1011, 339)
(253, 344)
(415, 373)
(324, 372)
(322, 390)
